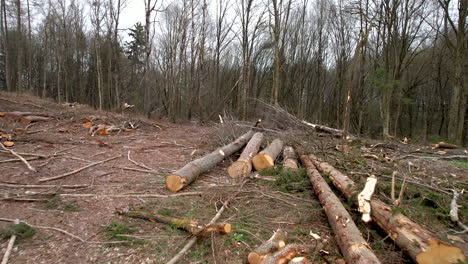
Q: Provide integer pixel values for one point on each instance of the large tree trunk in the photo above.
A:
(412, 238)
(189, 173)
(266, 158)
(243, 165)
(353, 246)
(188, 225)
(289, 158)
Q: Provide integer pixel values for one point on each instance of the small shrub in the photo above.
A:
(21, 230)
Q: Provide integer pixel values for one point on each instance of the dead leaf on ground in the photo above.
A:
(102, 143)
(2, 114)
(25, 121)
(8, 143)
(88, 124)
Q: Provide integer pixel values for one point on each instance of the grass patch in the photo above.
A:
(461, 164)
(288, 181)
(57, 204)
(21, 230)
(113, 231)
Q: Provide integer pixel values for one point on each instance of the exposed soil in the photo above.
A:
(258, 209)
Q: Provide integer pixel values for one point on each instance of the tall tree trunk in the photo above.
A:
(19, 47)
(6, 45)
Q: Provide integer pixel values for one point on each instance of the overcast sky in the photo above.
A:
(133, 12)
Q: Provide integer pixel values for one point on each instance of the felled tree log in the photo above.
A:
(286, 254)
(418, 243)
(188, 225)
(353, 246)
(26, 117)
(243, 165)
(289, 158)
(275, 243)
(266, 158)
(189, 173)
(443, 145)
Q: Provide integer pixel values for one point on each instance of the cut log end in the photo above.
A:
(227, 228)
(440, 253)
(262, 161)
(255, 258)
(290, 164)
(175, 182)
(239, 169)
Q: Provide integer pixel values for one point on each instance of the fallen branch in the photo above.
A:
(190, 172)
(275, 243)
(194, 239)
(353, 246)
(21, 186)
(243, 166)
(188, 225)
(129, 195)
(412, 238)
(286, 254)
(11, 243)
(31, 168)
(78, 170)
(46, 227)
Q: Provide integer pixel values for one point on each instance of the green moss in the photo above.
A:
(114, 229)
(57, 204)
(165, 212)
(385, 171)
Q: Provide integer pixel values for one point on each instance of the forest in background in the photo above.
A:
(371, 67)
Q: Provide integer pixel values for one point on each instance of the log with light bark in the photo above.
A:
(289, 158)
(353, 246)
(188, 225)
(275, 243)
(189, 173)
(299, 260)
(422, 246)
(243, 166)
(266, 158)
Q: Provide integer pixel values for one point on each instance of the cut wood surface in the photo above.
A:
(189, 173)
(289, 158)
(444, 145)
(188, 225)
(299, 260)
(422, 246)
(266, 158)
(243, 166)
(275, 243)
(353, 246)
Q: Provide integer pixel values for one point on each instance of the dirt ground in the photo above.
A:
(90, 230)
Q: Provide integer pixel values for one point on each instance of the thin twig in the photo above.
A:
(139, 164)
(11, 243)
(129, 195)
(78, 170)
(21, 186)
(454, 211)
(31, 168)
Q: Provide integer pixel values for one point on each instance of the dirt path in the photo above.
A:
(259, 208)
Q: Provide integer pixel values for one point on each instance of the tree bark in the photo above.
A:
(353, 246)
(188, 225)
(243, 165)
(420, 245)
(266, 158)
(189, 173)
(286, 254)
(275, 243)
(289, 158)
